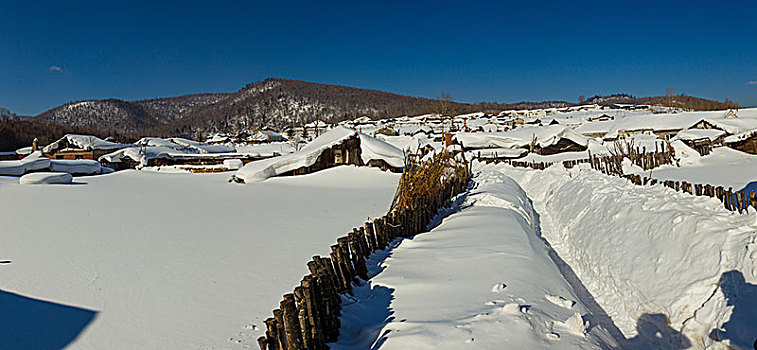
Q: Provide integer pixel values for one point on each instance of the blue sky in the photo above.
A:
(55, 52)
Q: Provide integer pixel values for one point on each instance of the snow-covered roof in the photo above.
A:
(218, 138)
(654, 122)
(699, 134)
(544, 136)
(596, 127)
(201, 147)
(740, 136)
(733, 125)
(85, 142)
(267, 136)
(371, 149)
(316, 123)
(157, 142)
(409, 143)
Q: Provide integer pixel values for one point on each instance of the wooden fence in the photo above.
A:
(612, 165)
(308, 318)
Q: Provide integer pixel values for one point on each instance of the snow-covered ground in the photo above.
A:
(140, 260)
(722, 167)
(481, 279)
(653, 258)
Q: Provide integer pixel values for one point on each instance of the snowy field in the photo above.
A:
(141, 260)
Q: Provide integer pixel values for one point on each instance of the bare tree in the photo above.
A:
(581, 99)
(443, 107)
(669, 93)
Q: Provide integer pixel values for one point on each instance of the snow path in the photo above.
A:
(482, 278)
(167, 261)
(656, 260)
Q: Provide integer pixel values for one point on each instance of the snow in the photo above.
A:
(85, 142)
(470, 282)
(699, 134)
(499, 152)
(740, 136)
(32, 162)
(79, 166)
(139, 260)
(650, 256)
(201, 147)
(158, 148)
(233, 164)
(544, 136)
(266, 149)
(371, 148)
(408, 143)
(158, 142)
(722, 167)
(45, 178)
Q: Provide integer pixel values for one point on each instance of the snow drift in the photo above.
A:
(644, 250)
(30, 163)
(45, 178)
(481, 279)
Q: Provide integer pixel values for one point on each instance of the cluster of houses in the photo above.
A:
(387, 143)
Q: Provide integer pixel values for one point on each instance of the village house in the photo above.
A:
(543, 140)
(74, 146)
(600, 118)
(745, 141)
(338, 146)
(702, 140)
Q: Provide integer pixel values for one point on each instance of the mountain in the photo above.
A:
(128, 117)
(280, 103)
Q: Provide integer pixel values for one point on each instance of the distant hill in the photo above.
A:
(279, 103)
(681, 101)
(273, 102)
(129, 117)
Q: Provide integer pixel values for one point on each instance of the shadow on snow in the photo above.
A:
(741, 328)
(27, 323)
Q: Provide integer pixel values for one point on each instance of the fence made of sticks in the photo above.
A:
(308, 318)
(613, 165)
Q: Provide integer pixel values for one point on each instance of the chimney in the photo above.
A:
(35, 145)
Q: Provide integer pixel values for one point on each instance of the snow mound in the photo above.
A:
(79, 166)
(653, 258)
(233, 164)
(32, 162)
(46, 178)
(480, 278)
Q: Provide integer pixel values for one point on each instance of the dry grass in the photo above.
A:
(419, 179)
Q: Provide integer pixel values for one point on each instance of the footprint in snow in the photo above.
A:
(560, 301)
(515, 309)
(552, 336)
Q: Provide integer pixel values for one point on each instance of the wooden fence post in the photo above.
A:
(279, 316)
(291, 323)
